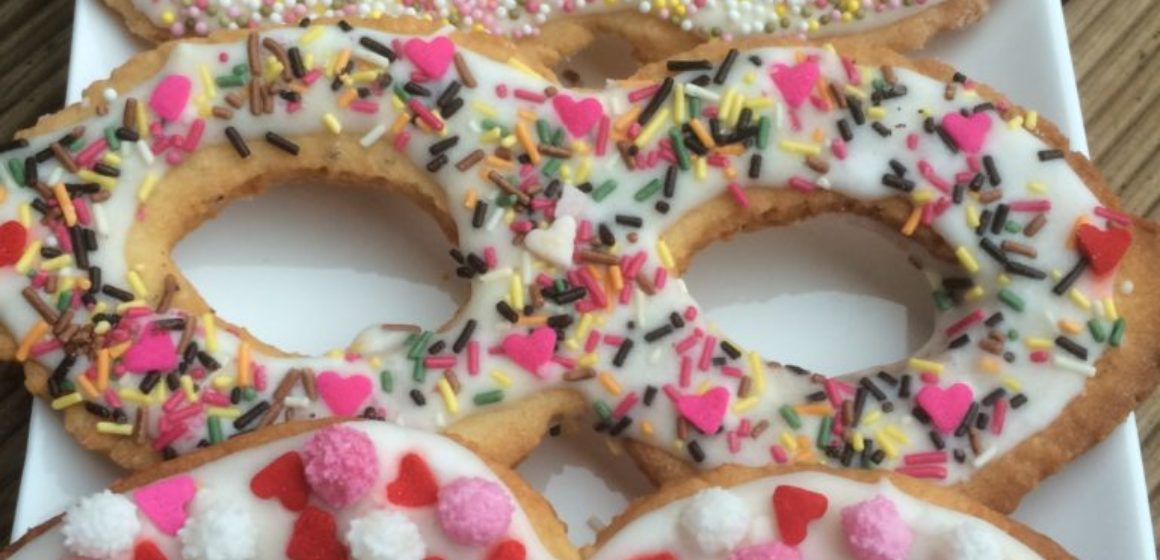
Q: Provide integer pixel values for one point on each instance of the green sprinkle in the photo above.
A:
(694, 107)
(16, 168)
(543, 131)
(560, 285)
(63, 301)
(604, 190)
(111, 138)
(249, 394)
(386, 381)
(791, 416)
(67, 386)
(420, 372)
(552, 167)
(602, 410)
(488, 124)
(505, 200)
(1013, 335)
(215, 429)
(403, 95)
(942, 300)
(557, 137)
(1099, 333)
(1011, 299)
(1013, 227)
(679, 148)
(1118, 329)
(488, 397)
(646, 192)
(230, 81)
(419, 346)
(824, 431)
(242, 69)
(763, 132)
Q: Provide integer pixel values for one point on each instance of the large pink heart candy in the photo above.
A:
(164, 502)
(796, 82)
(170, 96)
(530, 351)
(432, 57)
(705, 411)
(946, 407)
(969, 133)
(578, 116)
(154, 350)
(344, 395)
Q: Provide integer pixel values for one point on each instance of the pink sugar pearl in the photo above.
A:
(875, 531)
(474, 511)
(341, 465)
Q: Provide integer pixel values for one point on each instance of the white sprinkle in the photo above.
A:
(373, 136)
(984, 457)
(701, 93)
(1073, 365)
(295, 402)
(145, 152)
(1127, 287)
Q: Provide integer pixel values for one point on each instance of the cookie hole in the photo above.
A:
(607, 57)
(306, 269)
(834, 294)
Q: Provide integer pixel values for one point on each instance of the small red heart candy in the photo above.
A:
(795, 508)
(315, 537)
(284, 479)
(13, 237)
(1103, 247)
(415, 486)
(147, 550)
(508, 550)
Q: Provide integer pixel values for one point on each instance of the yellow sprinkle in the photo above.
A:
(896, 434)
(587, 360)
(967, 259)
(470, 198)
(572, 345)
(340, 62)
(30, 254)
(31, 338)
(146, 188)
(93, 177)
(1015, 122)
(526, 141)
(103, 363)
(584, 170)
(133, 395)
(799, 148)
(703, 387)
(1079, 299)
(922, 195)
(211, 338)
(1037, 342)
(1037, 187)
(57, 263)
(187, 388)
(976, 293)
(332, 123)
(142, 122)
(501, 378)
(450, 399)
(857, 441)
(311, 35)
(609, 383)
(972, 216)
(223, 412)
(64, 401)
(26, 214)
(876, 113)
(759, 103)
(223, 382)
(583, 326)
(700, 167)
(1003, 279)
(665, 255)
(873, 417)
(652, 127)
(519, 65)
(206, 80)
(243, 364)
(1110, 309)
(757, 372)
(680, 110)
(1032, 120)
(744, 405)
(364, 76)
(137, 284)
(1011, 383)
(114, 428)
(886, 445)
(920, 364)
(517, 292)
(788, 442)
(855, 91)
(128, 305)
(111, 158)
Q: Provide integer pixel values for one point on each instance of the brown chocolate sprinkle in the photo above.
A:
(464, 71)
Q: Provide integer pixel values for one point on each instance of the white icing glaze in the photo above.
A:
(228, 480)
(657, 364)
(931, 525)
(515, 18)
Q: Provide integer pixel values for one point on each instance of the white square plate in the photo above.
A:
(372, 258)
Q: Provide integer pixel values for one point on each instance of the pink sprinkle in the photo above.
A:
(215, 398)
(365, 106)
(595, 290)
(424, 114)
(643, 93)
(927, 172)
(565, 361)
(187, 412)
(82, 208)
(974, 164)
(962, 324)
(743, 428)
(543, 280)
(734, 442)
(401, 140)
(964, 177)
(473, 357)
(739, 195)
(501, 91)
(90, 153)
(259, 377)
(928, 458)
(311, 77)
(613, 340)
(707, 353)
(1118, 217)
(490, 257)
(112, 398)
(912, 141)
(832, 393)
(522, 226)
(924, 471)
(625, 405)
(528, 95)
(852, 73)
(174, 158)
(194, 137)
(998, 416)
(584, 231)
(660, 278)
(592, 342)
(634, 130)
(687, 343)
(439, 362)
(927, 214)
(731, 371)
(1039, 356)
(928, 377)
(778, 453)
(173, 401)
(838, 147)
(45, 347)
(671, 392)
(802, 185)
(686, 371)
(691, 314)
(602, 136)
(169, 436)
(1030, 205)
(625, 294)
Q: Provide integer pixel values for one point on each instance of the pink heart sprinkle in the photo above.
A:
(969, 133)
(164, 502)
(706, 411)
(153, 351)
(344, 395)
(432, 57)
(530, 351)
(946, 407)
(796, 82)
(578, 116)
(170, 96)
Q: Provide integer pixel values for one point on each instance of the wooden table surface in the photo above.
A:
(1115, 46)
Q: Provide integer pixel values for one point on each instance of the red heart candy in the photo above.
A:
(796, 82)
(969, 133)
(946, 407)
(13, 237)
(705, 411)
(530, 351)
(147, 550)
(795, 508)
(1103, 247)
(284, 479)
(315, 537)
(432, 57)
(578, 116)
(415, 486)
(508, 550)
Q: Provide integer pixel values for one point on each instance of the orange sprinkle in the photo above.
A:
(400, 122)
(470, 198)
(912, 221)
(340, 62)
(622, 122)
(346, 97)
(616, 277)
(34, 334)
(103, 361)
(1074, 228)
(87, 388)
(499, 163)
(702, 134)
(818, 135)
(116, 351)
(815, 409)
(243, 364)
(526, 141)
(532, 320)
